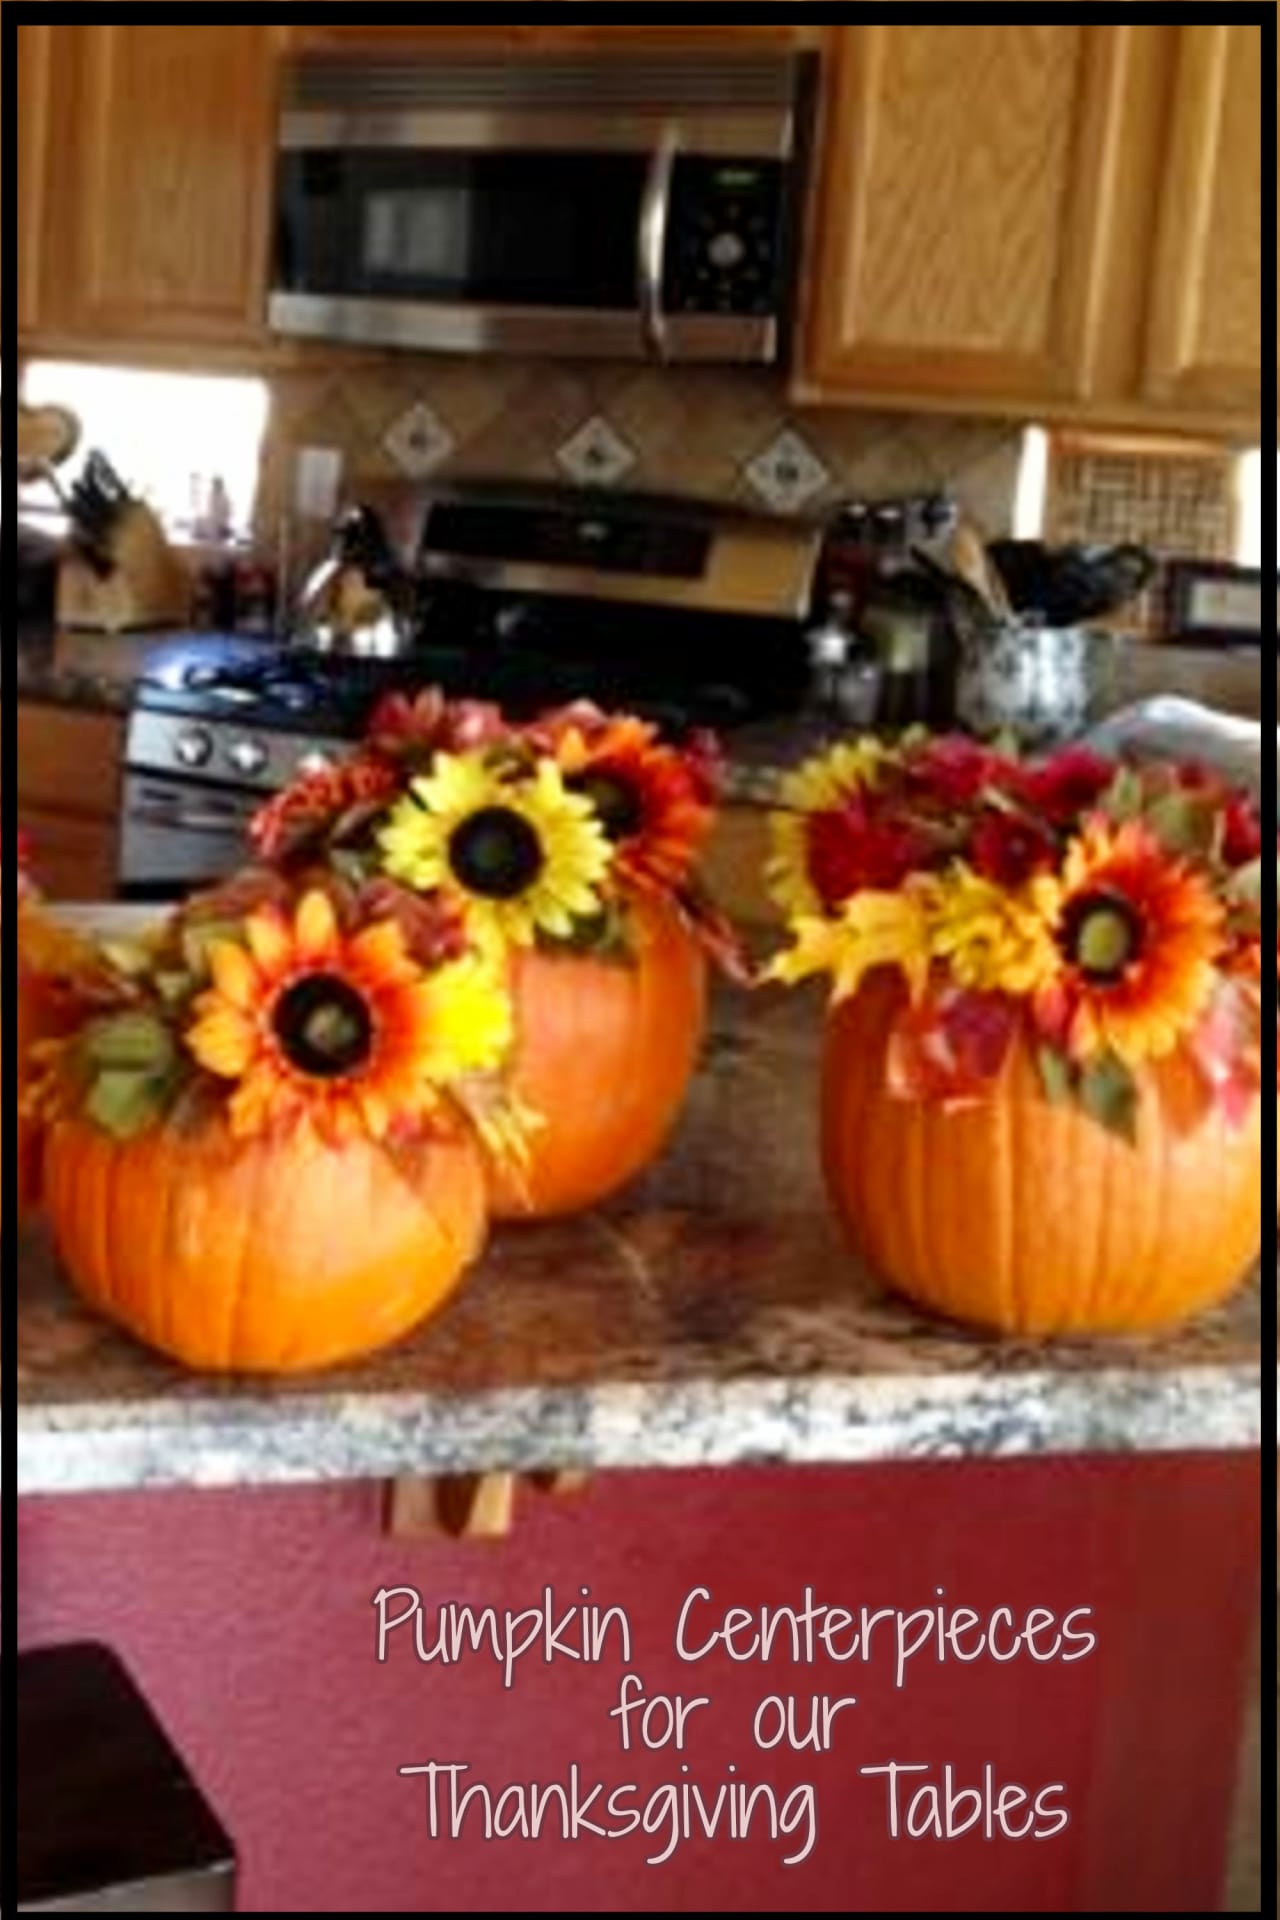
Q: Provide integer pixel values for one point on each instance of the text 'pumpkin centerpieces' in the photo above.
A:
(262, 1147)
(1042, 1086)
(565, 849)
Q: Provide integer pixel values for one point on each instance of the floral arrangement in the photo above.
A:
(516, 835)
(298, 1012)
(1114, 912)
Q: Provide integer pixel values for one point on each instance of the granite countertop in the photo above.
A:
(100, 671)
(710, 1316)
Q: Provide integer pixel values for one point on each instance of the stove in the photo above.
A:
(689, 615)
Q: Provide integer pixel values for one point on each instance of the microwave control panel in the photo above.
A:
(726, 240)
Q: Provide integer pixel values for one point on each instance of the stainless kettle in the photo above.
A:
(356, 601)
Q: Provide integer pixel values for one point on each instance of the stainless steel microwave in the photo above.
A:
(619, 208)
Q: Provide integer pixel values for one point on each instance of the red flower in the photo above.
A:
(1069, 785)
(419, 726)
(1242, 831)
(955, 769)
(850, 851)
(310, 810)
(1008, 848)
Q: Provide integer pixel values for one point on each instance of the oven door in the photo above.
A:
(176, 835)
(444, 210)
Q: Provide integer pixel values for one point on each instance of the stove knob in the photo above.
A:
(247, 756)
(193, 747)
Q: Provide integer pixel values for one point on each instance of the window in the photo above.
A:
(1173, 498)
(1249, 481)
(169, 435)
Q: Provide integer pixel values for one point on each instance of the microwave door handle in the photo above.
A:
(651, 241)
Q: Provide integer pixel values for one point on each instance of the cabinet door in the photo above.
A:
(1204, 345)
(962, 228)
(31, 96)
(167, 189)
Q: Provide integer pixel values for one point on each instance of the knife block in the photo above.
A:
(147, 585)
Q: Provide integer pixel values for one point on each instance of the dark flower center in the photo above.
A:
(617, 804)
(1102, 935)
(496, 853)
(324, 1026)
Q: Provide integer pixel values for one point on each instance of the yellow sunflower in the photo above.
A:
(341, 1030)
(520, 853)
(646, 795)
(822, 785)
(993, 940)
(1140, 935)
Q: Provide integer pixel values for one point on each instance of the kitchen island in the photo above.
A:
(710, 1316)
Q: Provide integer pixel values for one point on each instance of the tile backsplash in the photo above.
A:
(721, 435)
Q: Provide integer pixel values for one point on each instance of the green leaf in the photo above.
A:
(130, 957)
(1125, 797)
(1109, 1094)
(1184, 822)
(1246, 884)
(1057, 1076)
(131, 1042)
(174, 987)
(124, 1104)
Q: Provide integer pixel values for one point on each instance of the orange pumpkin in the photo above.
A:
(255, 1256)
(605, 1050)
(1028, 1217)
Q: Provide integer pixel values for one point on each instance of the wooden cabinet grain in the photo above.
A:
(960, 239)
(68, 781)
(162, 182)
(1204, 342)
(1052, 218)
(32, 45)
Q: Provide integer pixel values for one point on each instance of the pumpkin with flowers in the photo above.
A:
(1042, 1095)
(565, 851)
(464, 976)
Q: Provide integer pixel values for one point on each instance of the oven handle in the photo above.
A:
(189, 820)
(651, 240)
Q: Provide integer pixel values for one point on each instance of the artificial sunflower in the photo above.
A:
(521, 853)
(827, 785)
(341, 1030)
(1140, 934)
(994, 941)
(653, 807)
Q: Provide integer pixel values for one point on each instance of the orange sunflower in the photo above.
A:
(343, 1031)
(1140, 934)
(653, 805)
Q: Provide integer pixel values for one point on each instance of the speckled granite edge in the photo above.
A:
(211, 1442)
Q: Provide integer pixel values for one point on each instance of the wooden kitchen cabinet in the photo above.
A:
(161, 184)
(1204, 340)
(960, 247)
(31, 93)
(69, 772)
(1060, 220)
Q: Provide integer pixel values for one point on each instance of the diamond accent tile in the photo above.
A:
(787, 474)
(596, 455)
(418, 441)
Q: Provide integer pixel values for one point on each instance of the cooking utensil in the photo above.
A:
(356, 599)
(47, 436)
(967, 555)
(1075, 583)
